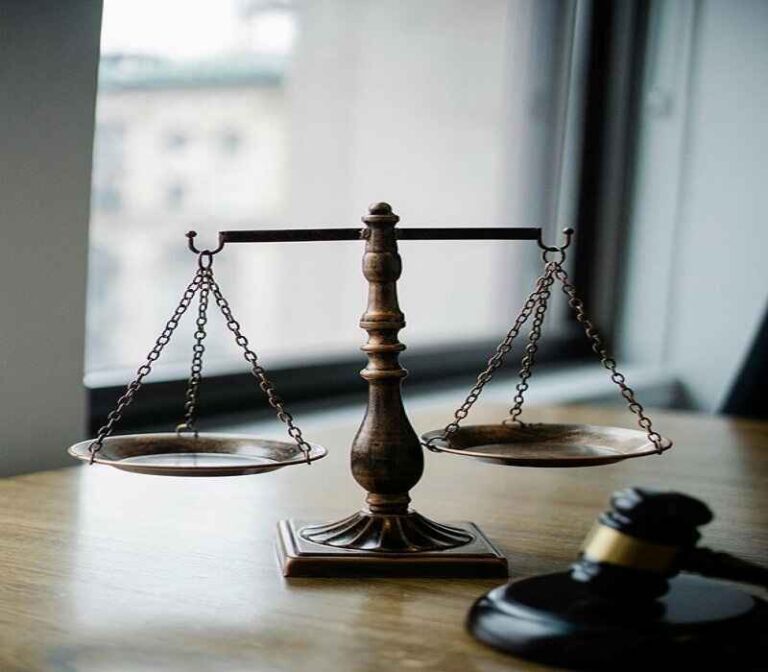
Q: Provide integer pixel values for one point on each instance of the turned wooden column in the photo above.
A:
(387, 458)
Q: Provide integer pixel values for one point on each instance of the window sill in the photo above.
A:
(573, 383)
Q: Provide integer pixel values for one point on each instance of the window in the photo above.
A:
(230, 141)
(174, 196)
(454, 112)
(106, 197)
(108, 166)
(175, 141)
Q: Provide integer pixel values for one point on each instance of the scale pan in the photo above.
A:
(207, 455)
(544, 445)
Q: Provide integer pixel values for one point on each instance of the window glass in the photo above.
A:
(248, 114)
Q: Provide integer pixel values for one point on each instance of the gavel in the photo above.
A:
(646, 538)
(624, 601)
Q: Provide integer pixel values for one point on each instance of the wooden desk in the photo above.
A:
(107, 571)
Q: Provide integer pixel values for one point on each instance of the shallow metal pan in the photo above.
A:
(544, 445)
(171, 454)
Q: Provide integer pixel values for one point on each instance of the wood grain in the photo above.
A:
(104, 570)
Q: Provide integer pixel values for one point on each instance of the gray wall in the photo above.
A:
(698, 276)
(48, 65)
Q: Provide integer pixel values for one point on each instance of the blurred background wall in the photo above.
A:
(697, 279)
(48, 60)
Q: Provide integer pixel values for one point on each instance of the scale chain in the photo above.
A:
(537, 301)
(497, 359)
(144, 370)
(529, 355)
(198, 349)
(258, 371)
(607, 361)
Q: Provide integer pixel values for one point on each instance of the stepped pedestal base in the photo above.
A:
(462, 550)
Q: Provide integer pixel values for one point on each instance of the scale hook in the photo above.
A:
(568, 233)
(191, 242)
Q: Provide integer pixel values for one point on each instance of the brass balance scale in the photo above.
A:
(387, 537)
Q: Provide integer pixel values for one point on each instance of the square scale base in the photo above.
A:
(299, 557)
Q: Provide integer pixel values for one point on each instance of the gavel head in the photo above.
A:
(636, 546)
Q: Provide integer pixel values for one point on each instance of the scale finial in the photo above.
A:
(380, 209)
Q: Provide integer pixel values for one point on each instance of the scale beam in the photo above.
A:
(289, 235)
(465, 233)
(316, 235)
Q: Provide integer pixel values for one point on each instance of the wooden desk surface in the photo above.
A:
(108, 571)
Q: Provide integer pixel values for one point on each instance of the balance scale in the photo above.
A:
(387, 537)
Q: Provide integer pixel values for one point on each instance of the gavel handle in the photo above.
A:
(720, 565)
